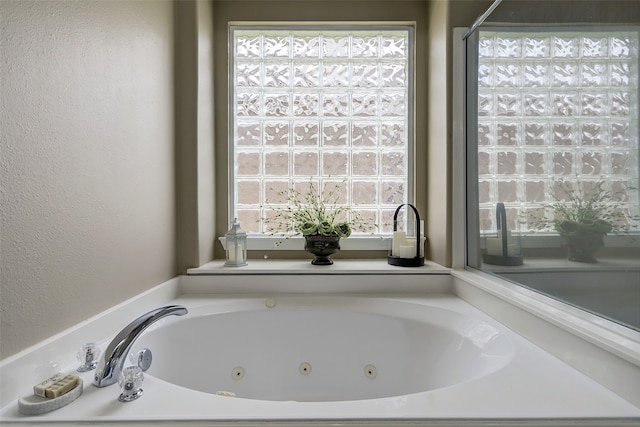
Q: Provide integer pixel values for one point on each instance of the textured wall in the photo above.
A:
(87, 167)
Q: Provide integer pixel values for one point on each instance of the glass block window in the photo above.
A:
(554, 106)
(331, 105)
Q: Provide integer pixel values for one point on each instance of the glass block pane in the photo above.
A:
(247, 104)
(394, 47)
(507, 192)
(335, 105)
(365, 46)
(566, 104)
(595, 47)
(247, 75)
(335, 75)
(534, 191)
(565, 74)
(594, 104)
(394, 75)
(335, 47)
(392, 104)
(594, 74)
(364, 192)
(277, 46)
(508, 104)
(508, 75)
(564, 133)
(365, 104)
(248, 134)
(306, 46)
(335, 163)
(536, 133)
(393, 163)
(563, 163)
(591, 163)
(507, 162)
(276, 163)
(304, 164)
(593, 133)
(306, 75)
(536, 104)
(536, 47)
(248, 163)
(248, 46)
(508, 47)
(305, 134)
(305, 104)
(276, 133)
(535, 75)
(566, 47)
(276, 75)
(364, 134)
(508, 133)
(534, 163)
(620, 74)
(365, 163)
(276, 104)
(392, 192)
(335, 134)
(248, 192)
(365, 75)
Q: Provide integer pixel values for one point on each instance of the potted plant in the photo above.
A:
(583, 213)
(318, 217)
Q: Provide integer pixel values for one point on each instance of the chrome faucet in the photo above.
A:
(112, 362)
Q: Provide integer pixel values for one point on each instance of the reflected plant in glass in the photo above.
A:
(583, 212)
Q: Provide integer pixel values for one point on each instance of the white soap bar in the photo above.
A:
(56, 386)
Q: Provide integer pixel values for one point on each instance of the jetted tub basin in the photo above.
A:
(323, 349)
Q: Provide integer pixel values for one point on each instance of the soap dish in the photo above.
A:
(35, 405)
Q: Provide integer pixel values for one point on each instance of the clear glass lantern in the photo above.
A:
(236, 240)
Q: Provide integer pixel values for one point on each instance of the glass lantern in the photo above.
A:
(236, 239)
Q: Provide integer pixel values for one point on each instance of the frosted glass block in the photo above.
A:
(620, 163)
(393, 163)
(364, 163)
(364, 134)
(535, 75)
(248, 192)
(335, 105)
(485, 104)
(248, 46)
(595, 47)
(248, 134)
(507, 162)
(508, 47)
(276, 133)
(392, 192)
(392, 104)
(566, 104)
(305, 164)
(620, 134)
(485, 134)
(364, 192)
(591, 163)
(594, 74)
(485, 190)
(392, 134)
(277, 46)
(508, 104)
(365, 75)
(365, 47)
(335, 46)
(308, 47)
(486, 218)
(337, 191)
(619, 73)
(535, 47)
(306, 75)
(619, 104)
(563, 163)
(394, 47)
(485, 47)
(534, 191)
(507, 192)
(305, 134)
(594, 133)
(276, 104)
(621, 47)
(485, 75)
(507, 133)
(594, 104)
(365, 104)
(335, 75)
(276, 163)
(394, 75)
(536, 133)
(247, 104)
(508, 75)
(565, 74)
(247, 75)
(335, 134)
(564, 133)
(566, 47)
(484, 163)
(534, 163)
(536, 104)
(276, 75)
(305, 104)
(250, 219)
(248, 164)
(335, 163)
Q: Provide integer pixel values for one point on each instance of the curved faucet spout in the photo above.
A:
(111, 364)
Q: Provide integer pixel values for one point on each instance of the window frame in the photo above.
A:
(375, 242)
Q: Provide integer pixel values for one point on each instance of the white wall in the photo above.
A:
(87, 164)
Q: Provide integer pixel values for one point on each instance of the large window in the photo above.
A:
(554, 106)
(327, 104)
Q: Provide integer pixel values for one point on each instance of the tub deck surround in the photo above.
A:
(531, 385)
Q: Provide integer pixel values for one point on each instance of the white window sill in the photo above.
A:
(304, 266)
(352, 243)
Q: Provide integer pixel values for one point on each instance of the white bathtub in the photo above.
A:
(325, 349)
(412, 357)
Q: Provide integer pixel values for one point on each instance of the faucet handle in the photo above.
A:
(142, 358)
(88, 357)
(130, 383)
